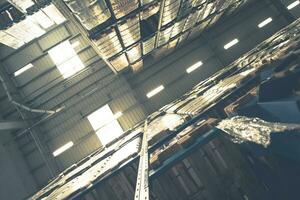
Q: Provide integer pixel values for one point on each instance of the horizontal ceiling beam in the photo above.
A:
(10, 125)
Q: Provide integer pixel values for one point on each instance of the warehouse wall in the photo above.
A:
(44, 87)
(16, 181)
(170, 71)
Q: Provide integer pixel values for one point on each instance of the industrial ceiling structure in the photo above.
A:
(123, 33)
(62, 60)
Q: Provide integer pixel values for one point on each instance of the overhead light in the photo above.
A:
(23, 69)
(293, 5)
(155, 91)
(194, 67)
(63, 148)
(231, 43)
(265, 22)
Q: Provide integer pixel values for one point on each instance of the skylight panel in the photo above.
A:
(66, 59)
(106, 125)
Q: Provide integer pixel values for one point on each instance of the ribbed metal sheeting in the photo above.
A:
(108, 43)
(89, 12)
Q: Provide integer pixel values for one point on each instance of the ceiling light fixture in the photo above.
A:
(231, 43)
(194, 67)
(155, 91)
(63, 148)
(293, 5)
(265, 22)
(23, 69)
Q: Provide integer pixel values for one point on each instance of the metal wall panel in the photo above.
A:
(44, 87)
(53, 38)
(22, 57)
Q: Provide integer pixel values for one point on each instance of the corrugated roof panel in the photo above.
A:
(53, 38)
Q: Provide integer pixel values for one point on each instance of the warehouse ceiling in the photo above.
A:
(59, 64)
(122, 33)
